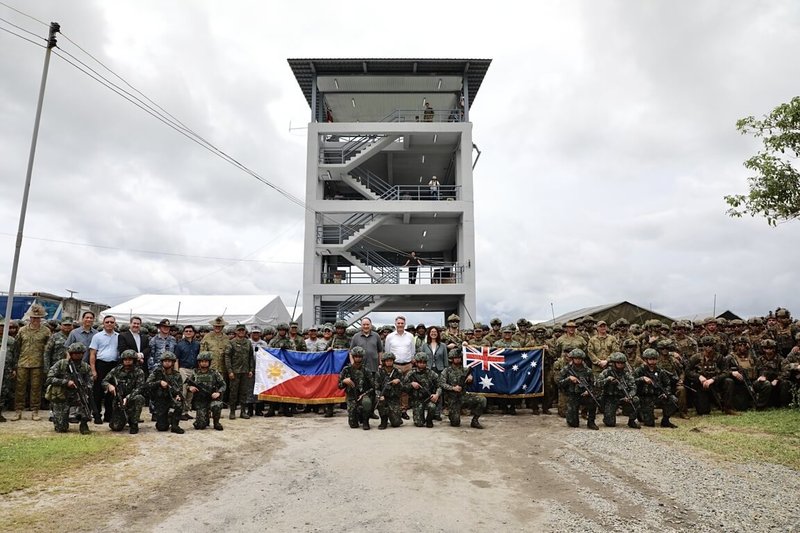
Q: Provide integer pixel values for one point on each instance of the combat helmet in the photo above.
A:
(421, 357)
(76, 347)
(618, 357)
(128, 354)
(168, 356)
(650, 354)
(455, 352)
(388, 355)
(205, 356)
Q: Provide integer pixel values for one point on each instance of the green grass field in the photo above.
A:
(31, 460)
(766, 436)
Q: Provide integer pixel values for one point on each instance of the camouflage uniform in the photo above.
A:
(239, 361)
(167, 403)
(768, 367)
(7, 387)
(619, 390)
(422, 407)
(389, 408)
(456, 375)
(710, 366)
(29, 355)
(673, 363)
(600, 348)
(216, 343)
(211, 381)
(63, 397)
(577, 395)
(566, 343)
(128, 383)
(56, 349)
(509, 406)
(359, 402)
(655, 394)
(790, 377)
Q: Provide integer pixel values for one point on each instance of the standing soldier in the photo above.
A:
(56, 348)
(165, 384)
(601, 346)
(240, 362)
(69, 385)
(509, 406)
(654, 386)
(29, 348)
(125, 383)
(294, 336)
(577, 382)
(160, 343)
(340, 341)
(522, 336)
(452, 337)
(422, 384)
(549, 380)
(357, 383)
(388, 385)
(494, 335)
(630, 347)
(784, 333)
(216, 342)
(8, 372)
(207, 385)
(454, 381)
(570, 339)
(619, 390)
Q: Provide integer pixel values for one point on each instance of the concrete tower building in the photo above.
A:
(380, 130)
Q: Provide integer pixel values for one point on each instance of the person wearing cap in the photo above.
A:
(160, 343)
(216, 342)
(570, 339)
(538, 337)
(576, 380)
(296, 338)
(452, 336)
(125, 383)
(164, 385)
(186, 351)
(785, 332)
(56, 347)
(31, 341)
(339, 340)
(67, 380)
(259, 343)
(103, 357)
(358, 385)
(710, 376)
(240, 362)
(600, 346)
(494, 334)
(711, 329)
(654, 387)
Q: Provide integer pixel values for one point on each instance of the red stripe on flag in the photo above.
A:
(307, 388)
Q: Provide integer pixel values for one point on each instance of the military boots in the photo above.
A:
(384, 422)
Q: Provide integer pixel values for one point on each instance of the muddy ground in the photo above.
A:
(308, 473)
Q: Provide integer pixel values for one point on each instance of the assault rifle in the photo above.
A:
(85, 399)
(202, 390)
(747, 383)
(662, 392)
(583, 384)
(118, 399)
(386, 385)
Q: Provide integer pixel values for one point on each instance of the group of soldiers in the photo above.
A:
(589, 365)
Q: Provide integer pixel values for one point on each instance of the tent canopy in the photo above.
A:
(251, 310)
(611, 312)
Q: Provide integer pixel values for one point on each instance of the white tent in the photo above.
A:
(198, 310)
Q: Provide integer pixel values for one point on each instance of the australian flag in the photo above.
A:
(500, 372)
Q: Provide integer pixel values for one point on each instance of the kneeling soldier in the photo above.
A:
(619, 390)
(69, 384)
(422, 384)
(358, 384)
(125, 383)
(389, 382)
(165, 385)
(207, 385)
(453, 381)
(577, 381)
(655, 389)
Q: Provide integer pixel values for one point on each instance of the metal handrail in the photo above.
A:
(384, 191)
(347, 151)
(422, 115)
(338, 233)
(441, 273)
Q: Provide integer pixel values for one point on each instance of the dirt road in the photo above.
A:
(522, 473)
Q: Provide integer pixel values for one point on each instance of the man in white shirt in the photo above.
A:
(103, 357)
(401, 343)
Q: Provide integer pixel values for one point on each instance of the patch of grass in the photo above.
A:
(766, 436)
(30, 460)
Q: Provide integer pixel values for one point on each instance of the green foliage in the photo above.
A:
(766, 436)
(28, 461)
(775, 187)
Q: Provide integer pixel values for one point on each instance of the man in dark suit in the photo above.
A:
(137, 340)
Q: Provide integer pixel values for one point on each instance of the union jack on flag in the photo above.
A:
(485, 356)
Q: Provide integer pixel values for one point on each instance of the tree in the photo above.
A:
(775, 187)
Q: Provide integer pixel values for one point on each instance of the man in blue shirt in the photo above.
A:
(186, 351)
(83, 334)
(103, 357)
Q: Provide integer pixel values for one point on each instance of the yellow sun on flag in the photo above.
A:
(274, 371)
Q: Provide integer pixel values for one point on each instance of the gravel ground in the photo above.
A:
(307, 473)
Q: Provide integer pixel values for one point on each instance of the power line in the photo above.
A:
(23, 37)
(23, 29)
(12, 8)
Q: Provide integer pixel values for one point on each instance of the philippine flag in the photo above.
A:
(299, 377)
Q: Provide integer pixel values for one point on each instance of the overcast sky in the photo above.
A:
(607, 132)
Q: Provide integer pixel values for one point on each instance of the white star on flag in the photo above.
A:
(533, 364)
(486, 382)
(525, 355)
(515, 368)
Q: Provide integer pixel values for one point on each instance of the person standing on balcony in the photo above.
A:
(427, 113)
(413, 264)
(433, 185)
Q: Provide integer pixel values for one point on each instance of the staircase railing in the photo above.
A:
(342, 154)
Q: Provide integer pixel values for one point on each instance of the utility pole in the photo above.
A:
(55, 27)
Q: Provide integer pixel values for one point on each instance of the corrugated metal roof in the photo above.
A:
(473, 70)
